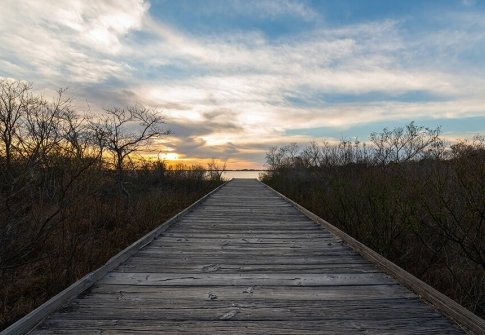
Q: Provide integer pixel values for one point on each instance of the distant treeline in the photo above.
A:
(405, 193)
(70, 194)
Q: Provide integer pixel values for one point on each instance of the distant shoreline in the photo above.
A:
(243, 170)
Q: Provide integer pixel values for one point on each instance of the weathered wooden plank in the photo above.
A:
(242, 240)
(228, 268)
(243, 260)
(180, 310)
(246, 279)
(248, 232)
(228, 222)
(246, 242)
(247, 253)
(248, 250)
(420, 326)
(260, 258)
(330, 310)
(323, 245)
(231, 293)
(241, 228)
(248, 235)
(261, 252)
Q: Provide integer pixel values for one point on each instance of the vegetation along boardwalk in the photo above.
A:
(246, 261)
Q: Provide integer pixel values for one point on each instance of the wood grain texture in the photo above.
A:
(246, 261)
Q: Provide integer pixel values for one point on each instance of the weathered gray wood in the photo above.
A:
(248, 253)
(246, 279)
(245, 240)
(422, 326)
(238, 293)
(248, 235)
(291, 310)
(254, 268)
(246, 262)
(243, 260)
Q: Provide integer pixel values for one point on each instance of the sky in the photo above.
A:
(235, 77)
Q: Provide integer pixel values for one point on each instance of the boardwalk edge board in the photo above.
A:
(463, 317)
(29, 321)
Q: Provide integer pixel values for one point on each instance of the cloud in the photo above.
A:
(468, 3)
(276, 8)
(79, 40)
(254, 9)
(237, 92)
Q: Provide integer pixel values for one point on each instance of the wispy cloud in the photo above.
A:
(277, 8)
(468, 2)
(78, 40)
(255, 9)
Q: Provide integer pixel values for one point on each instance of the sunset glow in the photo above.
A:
(171, 156)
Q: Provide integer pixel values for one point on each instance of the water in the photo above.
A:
(227, 175)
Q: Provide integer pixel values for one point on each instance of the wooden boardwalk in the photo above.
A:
(246, 262)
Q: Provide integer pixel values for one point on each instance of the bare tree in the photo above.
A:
(311, 155)
(44, 128)
(405, 143)
(124, 131)
(16, 100)
(215, 170)
(37, 171)
(282, 157)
